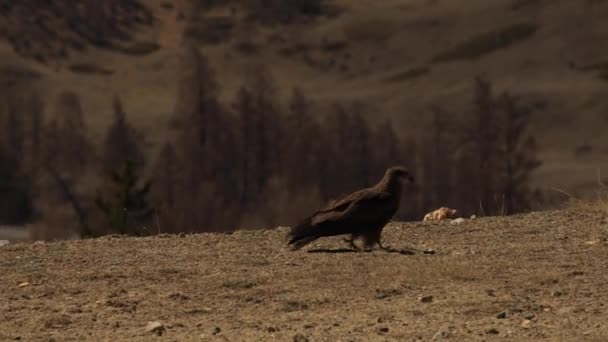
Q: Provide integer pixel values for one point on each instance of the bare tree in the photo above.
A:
(519, 158)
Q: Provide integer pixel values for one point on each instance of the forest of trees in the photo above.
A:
(254, 162)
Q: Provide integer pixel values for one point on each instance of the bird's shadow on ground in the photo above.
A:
(332, 251)
(349, 250)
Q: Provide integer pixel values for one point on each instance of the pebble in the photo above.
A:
(441, 335)
(592, 242)
(4, 243)
(425, 299)
(457, 221)
(156, 327)
(526, 323)
(501, 315)
(300, 338)
(24, 284)
(216, 330)
(492, 331)
(383, 330)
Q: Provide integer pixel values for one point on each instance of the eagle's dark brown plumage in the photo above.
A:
(363, 213)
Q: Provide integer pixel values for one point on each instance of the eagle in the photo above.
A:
(363, 213)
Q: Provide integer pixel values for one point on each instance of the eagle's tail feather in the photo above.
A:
(302, 234)
(306, 232)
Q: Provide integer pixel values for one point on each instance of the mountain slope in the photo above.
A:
(398, 56)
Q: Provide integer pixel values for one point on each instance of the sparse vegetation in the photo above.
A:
(409, 74)
(12, 74)
(62, 26)
(88, 68)
(210, 30)
(487, 42)
(140, 48)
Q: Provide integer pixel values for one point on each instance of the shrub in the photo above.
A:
(89, 68)
(487, 42)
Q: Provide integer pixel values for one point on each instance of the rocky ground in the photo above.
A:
(534, 277)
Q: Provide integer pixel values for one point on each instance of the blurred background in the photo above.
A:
(143, 116)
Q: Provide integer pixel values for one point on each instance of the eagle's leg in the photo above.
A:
(380, 245)
(372, 239)
(351, 241)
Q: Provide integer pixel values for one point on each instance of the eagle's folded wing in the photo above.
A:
(364, 205)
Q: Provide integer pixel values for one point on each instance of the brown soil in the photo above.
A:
(540, 276)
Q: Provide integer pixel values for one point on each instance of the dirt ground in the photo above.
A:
(540, 276)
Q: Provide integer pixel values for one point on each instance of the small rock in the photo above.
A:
(178, 296)
(425, 299)
(441, 335)
(501, 315)
(492, 331)
(529, 316)
(525, 323)
(4, 243)
(216, 330)
(24, 284)
(156, 328)
(556, 293)
(300, 338)
(473, 217)
(39, 242)
(383, 330)
(592, 242)
(271, 329)
(457, 221)
(429, 251)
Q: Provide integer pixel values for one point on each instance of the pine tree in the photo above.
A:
(205, 146)
(259, 131)
(301, 151)
(126, 207)
(66, 145)
(519, 155)
(481, 140)
(122, 142)
(437, 161)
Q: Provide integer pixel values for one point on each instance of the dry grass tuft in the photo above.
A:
(599, 204)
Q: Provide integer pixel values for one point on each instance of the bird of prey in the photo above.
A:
(363, 213)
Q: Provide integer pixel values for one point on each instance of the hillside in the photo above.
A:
(398, 56)
(527, 278)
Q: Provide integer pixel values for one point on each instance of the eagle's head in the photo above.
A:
(400, 173)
